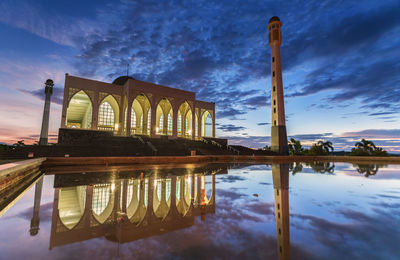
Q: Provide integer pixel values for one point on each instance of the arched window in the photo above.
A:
(169, 124)
(101, 197)
(79, 111)
(161, 124)
(206, 124)
(133, 121)
(148, 121)
(106, 117)
(168, 189)
(179, 124)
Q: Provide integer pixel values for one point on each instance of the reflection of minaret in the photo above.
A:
(46, 113)
(280, 175)
(278, 128)
(35, 218)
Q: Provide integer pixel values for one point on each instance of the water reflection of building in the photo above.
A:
(131, 208)
(280, 175)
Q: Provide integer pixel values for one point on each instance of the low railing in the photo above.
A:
(152, 147)
(228, 147)
(216, 144)
(140, 139)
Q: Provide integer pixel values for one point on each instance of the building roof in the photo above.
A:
(121, 80)
(274, 19)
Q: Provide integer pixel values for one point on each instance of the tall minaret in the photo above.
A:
(278, 129)
(280, 178)
(46, 113)
(36, 206)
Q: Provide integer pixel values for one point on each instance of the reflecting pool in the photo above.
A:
(319, 210)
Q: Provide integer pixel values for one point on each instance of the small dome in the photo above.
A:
(121, 80)
(274, 19)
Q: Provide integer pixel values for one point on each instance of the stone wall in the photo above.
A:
(70, 136)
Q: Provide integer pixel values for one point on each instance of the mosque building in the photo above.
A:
(132, 107)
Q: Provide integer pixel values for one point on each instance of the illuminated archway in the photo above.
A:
(183, 194)
(136, 117)
(137, 208)
(71, 205)
(141, 107)
(185, 120)
(161, 197)
(103, 201)
(79, 111)
(164, 112)
(108, 114)
(206, 124)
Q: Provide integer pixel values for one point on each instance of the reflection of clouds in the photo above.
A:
(231, 178)
(394, 206)
(265, 183)
(388, 196)
(229, 194)
(45, 213)
(262, 208)
(360, 237)
(221, 236)
(259, 167)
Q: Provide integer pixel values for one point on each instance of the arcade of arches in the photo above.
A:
(132, 107)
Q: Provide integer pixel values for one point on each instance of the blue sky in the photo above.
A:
(341, 63)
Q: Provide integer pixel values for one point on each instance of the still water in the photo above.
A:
(219, 211)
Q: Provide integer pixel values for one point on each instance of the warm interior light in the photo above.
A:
(190, 132)
(157, 129)
(116, 126)
(112, 187)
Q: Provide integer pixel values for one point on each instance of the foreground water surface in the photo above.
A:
(218, 211)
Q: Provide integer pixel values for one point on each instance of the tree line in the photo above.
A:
(362, 148)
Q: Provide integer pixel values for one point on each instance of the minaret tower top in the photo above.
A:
(274, 26)
(278, 128)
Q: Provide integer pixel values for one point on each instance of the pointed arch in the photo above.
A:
(164, 112)
(108, 114)
(142, 108)
(183, 194)
(103, 201)
(206, 123)
(185, 114)
(71, 205)
(79, 111)
(161, 197)
(136, 117)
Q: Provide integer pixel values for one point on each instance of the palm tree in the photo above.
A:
(296, 167)
(295, 147)
(19, 143)
(367, 169)
(326, 146)
(322, 167)
(366, 146)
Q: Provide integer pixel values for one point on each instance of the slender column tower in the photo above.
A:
(280, 178)
(46, 113)
(278, 129)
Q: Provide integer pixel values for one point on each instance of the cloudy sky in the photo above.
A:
(341, 62)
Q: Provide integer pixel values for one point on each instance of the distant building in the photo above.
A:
(132, 107)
